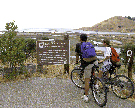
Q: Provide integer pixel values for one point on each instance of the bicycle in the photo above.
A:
(96, 84)
(121, 85)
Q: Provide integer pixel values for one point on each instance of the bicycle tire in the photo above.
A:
(99, 91)
(76, 79)
(122, 86)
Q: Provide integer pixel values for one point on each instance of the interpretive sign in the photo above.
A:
(51, 52)
(129, 55)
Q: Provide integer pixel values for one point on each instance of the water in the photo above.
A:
(68, 30)
(99, 57)
(97, 43)
(116, 41)
(65, 30)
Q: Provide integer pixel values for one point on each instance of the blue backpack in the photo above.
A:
(87, 50)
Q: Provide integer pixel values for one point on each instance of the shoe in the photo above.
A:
(85, 98)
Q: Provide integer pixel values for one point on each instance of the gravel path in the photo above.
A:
(51, 93)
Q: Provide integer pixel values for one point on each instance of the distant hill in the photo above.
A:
(116, 24)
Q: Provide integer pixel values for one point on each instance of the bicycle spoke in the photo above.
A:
(99, 92)
(123, 87)
(77, 79)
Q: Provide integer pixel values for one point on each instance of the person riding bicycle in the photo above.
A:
(86, 64)
(106, 61)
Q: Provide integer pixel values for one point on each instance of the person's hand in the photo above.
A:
(76, 62)
(100, 61)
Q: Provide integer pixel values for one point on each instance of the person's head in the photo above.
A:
(83, 37)
(106, 42)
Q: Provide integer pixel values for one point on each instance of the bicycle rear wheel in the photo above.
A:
(122, 86)
(99, 91)
(77, 78)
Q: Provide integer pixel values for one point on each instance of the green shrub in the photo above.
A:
(12, 49)
(30, 47)
(45, 38)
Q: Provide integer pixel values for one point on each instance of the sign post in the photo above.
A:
(66, 66)
(130, 62)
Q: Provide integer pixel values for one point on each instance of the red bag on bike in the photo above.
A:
(114, 56)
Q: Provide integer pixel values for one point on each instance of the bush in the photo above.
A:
(12, 49)
(45, 38)
(30, 47)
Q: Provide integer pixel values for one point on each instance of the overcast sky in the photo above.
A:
(62, 13)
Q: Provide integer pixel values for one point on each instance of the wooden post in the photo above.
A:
(40, 68)
(66, 66)
(130, 62)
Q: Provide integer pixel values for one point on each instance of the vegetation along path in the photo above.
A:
(51, 93)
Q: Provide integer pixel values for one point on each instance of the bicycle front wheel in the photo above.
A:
(99, 91)
(77, 78)
(122, 86)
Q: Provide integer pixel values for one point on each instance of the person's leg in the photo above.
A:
(87, 80)
(104, 69)
(108, 74)
(108, 69)
(100, 74)
(87, 74)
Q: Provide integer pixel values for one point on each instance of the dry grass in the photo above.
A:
(116, 23)
(50, 71)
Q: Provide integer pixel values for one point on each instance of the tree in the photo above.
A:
(30, 47)
(12, 48)
(129, 17)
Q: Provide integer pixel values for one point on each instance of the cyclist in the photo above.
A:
(86, 64)
(106, 61)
